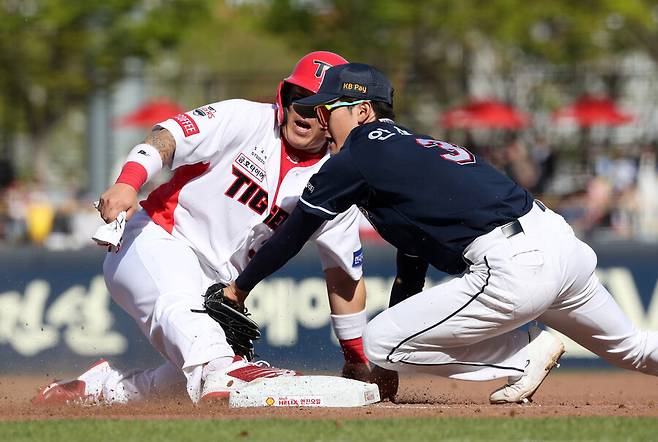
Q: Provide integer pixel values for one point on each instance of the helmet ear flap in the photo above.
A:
(284, 116)
(280, 114)
(282, 98)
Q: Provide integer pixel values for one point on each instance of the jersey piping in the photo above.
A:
(162, 202)
(322, 209)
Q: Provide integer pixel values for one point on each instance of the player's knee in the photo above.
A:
(374, 346)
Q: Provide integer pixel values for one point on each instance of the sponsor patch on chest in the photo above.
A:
(250, 167)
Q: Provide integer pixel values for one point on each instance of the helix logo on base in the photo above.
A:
(78, 316)
(293, 401)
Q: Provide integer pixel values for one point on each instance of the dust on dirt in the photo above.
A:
(602, 393)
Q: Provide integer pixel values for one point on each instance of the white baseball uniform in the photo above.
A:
(517, 260)
(234, 182)
(466, 328)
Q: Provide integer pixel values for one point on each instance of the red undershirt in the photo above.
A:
(288, 157)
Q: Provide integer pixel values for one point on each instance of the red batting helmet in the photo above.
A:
(308, 73)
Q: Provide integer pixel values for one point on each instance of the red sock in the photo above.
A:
(353, 350)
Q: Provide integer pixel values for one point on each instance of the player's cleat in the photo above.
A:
(544, 351)
(356, 370)
(387, 380)
(85, 389)
(219, 384)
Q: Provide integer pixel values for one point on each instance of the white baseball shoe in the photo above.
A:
(85, 389)
(544, 351)
(219, 384)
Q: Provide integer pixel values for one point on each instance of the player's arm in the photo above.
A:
(340, 251)
(192, 137)
(346, 296)
(409, 278)
(143, 161)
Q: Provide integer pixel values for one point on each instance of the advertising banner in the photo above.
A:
(56, 314)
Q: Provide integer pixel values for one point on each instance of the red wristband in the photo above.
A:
(133, 174)
(353, 350)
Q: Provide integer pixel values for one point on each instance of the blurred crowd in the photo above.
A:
(605, 193)
(32, 213)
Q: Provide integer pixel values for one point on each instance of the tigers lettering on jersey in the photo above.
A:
(254, 197)
(275, 217)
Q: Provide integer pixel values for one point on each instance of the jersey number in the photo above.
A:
(454, 153)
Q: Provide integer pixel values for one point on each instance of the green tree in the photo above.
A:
(231, 55)
(55, 52)
(427, 45)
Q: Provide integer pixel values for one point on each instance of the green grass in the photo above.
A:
(273, 430)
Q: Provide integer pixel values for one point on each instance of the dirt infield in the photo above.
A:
(607, 393)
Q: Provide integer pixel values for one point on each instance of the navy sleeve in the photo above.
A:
(335, 188)
(286, 242)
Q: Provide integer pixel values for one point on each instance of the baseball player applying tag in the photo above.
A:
(514, 259)
(239, 169)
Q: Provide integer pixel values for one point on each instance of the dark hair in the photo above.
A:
(381, 108)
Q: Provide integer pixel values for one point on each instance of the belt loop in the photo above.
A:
(540, 205)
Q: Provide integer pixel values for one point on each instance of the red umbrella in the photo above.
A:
(484, 114)
(592, 111)
(150, 113)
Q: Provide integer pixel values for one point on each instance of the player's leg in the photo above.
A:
(450, 336)
(153, 383)
(104, 383)
(588, 314)
(466, 327)
(158, 280)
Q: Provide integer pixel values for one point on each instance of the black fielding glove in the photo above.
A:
(241, 332)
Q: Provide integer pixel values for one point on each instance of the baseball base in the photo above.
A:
(305, 391)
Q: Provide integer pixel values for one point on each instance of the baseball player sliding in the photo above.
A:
(239, 168)
(437, 203)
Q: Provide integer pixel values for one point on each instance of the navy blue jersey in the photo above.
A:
(427, 197)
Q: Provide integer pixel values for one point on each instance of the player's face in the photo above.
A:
(303, 133)
(340, 122)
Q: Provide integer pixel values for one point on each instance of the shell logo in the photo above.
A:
(269, 401)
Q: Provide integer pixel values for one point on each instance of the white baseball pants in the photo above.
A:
(158, 279)
(466, 328)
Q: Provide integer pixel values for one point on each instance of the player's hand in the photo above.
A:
(117, 198)
(235, 294)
